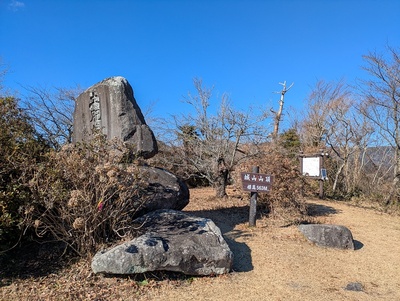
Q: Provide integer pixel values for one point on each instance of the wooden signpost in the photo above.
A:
(255, 183)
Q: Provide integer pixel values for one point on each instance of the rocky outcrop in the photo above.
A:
(169, 241)
(164, 191)
(110, 107)
(332, 236)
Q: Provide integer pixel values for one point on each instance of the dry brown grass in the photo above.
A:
(271, 262)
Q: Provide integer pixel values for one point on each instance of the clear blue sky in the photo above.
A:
(243, 47)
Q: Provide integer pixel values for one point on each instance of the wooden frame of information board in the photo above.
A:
(312, 166)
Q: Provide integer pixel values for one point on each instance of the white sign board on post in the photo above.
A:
(311, 166)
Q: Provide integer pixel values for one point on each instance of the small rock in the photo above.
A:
(332, 236)
(354, 286)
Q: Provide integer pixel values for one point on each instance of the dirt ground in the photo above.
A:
(271, 262)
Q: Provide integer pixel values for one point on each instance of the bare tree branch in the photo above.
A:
(381, 104)
(51, 112)
(207, 144)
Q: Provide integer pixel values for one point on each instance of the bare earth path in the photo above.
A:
(271, 262)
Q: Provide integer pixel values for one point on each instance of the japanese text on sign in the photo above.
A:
(256, 182)
(256, 177)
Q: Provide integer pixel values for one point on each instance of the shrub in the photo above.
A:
(286, 199)
(20, 149)
(86, 195)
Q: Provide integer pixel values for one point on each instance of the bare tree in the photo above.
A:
(347, 136)
(381, 105)
(278, 114)
(313, 128)
(213, 144)
(359, 144)
(51, 112)
(332, 122)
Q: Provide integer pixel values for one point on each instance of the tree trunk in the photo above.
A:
(338, 172)
(278, 115)
(221, 179)
(393, 196)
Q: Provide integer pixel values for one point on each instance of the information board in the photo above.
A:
(311, 166)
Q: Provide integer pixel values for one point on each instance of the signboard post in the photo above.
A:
(312, 166)
(255, 183)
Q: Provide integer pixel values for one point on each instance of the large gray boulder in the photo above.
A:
(164, 191)
(169, 241)
(109, 106)
(332, 236)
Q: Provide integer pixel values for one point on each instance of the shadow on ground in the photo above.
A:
(358, 245)
(227, 219)
(320, 210)
(33, 259)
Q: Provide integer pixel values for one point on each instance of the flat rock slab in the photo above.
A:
(332, 236)
(169, 241)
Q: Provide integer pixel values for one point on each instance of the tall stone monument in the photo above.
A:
(109, 106)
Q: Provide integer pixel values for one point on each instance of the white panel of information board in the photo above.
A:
(311, 166)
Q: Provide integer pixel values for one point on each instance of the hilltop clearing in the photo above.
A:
(272, 262)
